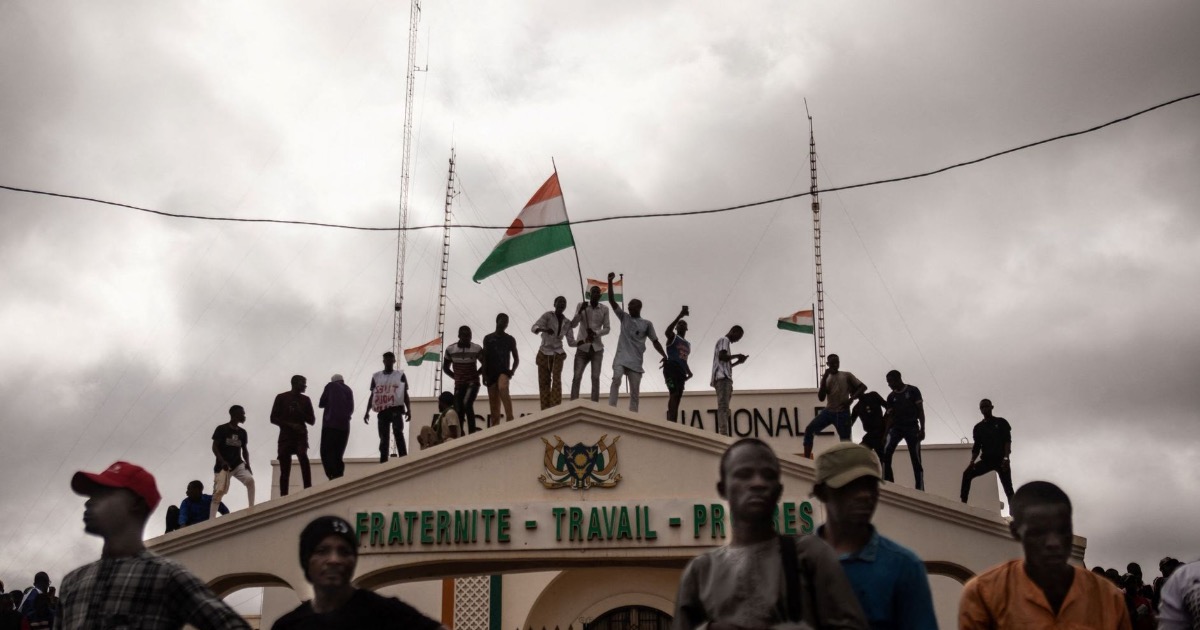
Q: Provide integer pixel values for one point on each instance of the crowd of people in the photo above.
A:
(847, 574)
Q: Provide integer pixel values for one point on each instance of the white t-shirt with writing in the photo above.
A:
(389, 390)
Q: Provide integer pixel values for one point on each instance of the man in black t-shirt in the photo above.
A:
(499, 348)
(869, 409)
(328, 555)
(993, 443)
(230, 446)
(908, 424)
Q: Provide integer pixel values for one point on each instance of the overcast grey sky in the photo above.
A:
(1059, 281)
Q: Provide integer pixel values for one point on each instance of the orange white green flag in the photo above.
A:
(541, 228)
(603, 284)
(800, 321)
(428, 351)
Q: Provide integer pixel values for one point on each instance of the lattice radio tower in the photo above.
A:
(405, 166)
(441, 324)
(816, 214)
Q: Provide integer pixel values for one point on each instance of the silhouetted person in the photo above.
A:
(552, 326)
(761, 579)
(197, 506)
(500, 361)
(840, 388)
(869, 410)
(293, 412)
(592, 319)
(338, 402)
(1166, 567)
(329, 555)
(908, 424)
(231, 448)
(1043, 590)
(10, 619)
(462, 363)
(172, 518)
(722, 377)
(445, 425)
(29, 603)
(389, 399)
(631, 346)
(675, 368)
(993, 445)
(130, 586)
(889, 579)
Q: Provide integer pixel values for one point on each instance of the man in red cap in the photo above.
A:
(130, 586)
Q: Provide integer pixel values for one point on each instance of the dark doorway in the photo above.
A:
(631, 618)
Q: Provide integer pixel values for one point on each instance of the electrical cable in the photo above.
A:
(619, 217)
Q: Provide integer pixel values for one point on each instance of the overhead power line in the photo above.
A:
(619, 217)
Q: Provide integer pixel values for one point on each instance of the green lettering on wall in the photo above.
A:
(410, 521)
(487, 515)
(594, 524)
(699, 519)
(789, 519)
(377, 524)
(396, 531)
(806, 520)
(362, 526)
(426, 527)
(576, 524)
(718, 520)
(650, 533)
(502, 525)
(558, 514)
(462, 526)
(443, 527)
(623, 530)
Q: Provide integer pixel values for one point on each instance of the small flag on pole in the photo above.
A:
(429, 351)
(800, 321)
(603, 284)
(541, 228)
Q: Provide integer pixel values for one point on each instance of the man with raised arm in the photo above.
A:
(592, 319)
(389, 399)
(631, 346)
(722, 377)
(840, 389)
(552, 326)
(675, 368)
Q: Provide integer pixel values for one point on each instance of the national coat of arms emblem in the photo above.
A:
(580, 467)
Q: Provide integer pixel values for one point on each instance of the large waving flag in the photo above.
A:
(541, 228)
(800, 321)
(428, 351)
(603, 284)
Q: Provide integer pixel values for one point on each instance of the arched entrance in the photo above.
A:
(631, 618)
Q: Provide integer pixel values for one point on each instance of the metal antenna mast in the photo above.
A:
(441, 324)
(816, 213)
(405, 166)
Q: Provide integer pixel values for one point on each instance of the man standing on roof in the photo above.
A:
(675, 368)
(338, 402)
(870, 411)
(841, 389)
(592, 319)
(993, 440)
(292, 413)
(631, 346)
(889, 579)
(231, 446)
(722, 377)
(389, 399)
(552, 326)
(466, 359)
(908, 424)
(130, 587)
(499, 348)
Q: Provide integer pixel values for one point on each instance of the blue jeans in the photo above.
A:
(839, 419)
(911, 437)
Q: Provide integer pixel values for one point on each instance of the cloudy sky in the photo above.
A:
(1054, 281)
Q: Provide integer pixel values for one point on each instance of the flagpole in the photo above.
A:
(816, 359)
(574, 247)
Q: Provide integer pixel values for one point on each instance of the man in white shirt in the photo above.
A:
(592, 319)
(631, 345)
(552, 326)
(722, 376)
(389, 399)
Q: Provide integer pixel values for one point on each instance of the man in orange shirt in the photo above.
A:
(1043, 590)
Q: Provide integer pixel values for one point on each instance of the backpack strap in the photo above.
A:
(791, 577)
